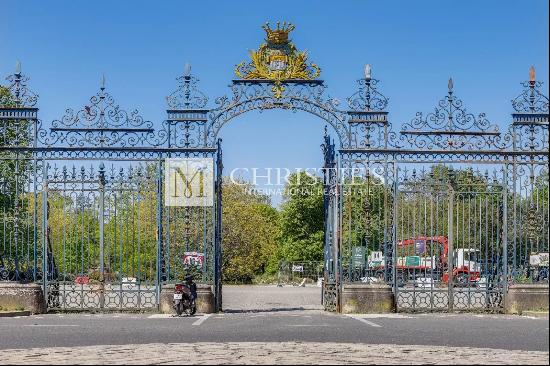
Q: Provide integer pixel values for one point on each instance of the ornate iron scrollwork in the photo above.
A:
(248, 95)
(101, 123)
(367, 98)
(449, 127)
(19, 95)
(187, 95)
(531, 99)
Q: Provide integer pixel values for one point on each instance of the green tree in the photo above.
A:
(302, 219)
(250, 233)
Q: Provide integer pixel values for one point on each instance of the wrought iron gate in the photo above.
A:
(447, 209)
(451, 224)
(84, 213)
(100, 233)
(444, 206)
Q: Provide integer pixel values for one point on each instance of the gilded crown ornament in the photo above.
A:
(278, 60)
(279, 35)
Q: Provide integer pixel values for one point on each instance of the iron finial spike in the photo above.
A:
(18, 67)
(450, 85)
(102, 81)
(532, 74)
(368, 71)
(187, 69)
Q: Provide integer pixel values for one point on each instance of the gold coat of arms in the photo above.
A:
(278, 60)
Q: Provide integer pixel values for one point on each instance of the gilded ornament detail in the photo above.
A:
(278, 60)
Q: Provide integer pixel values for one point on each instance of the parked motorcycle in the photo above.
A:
(184, 301)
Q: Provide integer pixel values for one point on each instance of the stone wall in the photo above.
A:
(365, 298)
(524, 297)
(17, 296)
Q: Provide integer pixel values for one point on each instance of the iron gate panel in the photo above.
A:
(422, 220)
(529, 219)
(449, 249)
(20, 182)
(454, 190)
(101, 234)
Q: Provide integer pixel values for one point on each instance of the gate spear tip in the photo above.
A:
(532, 75)
(368, 71)
(187, 69)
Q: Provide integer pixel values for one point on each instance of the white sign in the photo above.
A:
(189, 182)
(538, 259)
(193, 259)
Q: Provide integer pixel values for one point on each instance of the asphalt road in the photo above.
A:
(267, 298)
(459, 330)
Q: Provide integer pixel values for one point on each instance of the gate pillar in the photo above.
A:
(218, 232)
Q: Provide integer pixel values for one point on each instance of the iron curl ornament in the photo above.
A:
(367, 98)
(531, 99)
(449, 127)
(530, 120)
(18, 94)
(101, 123)
(304, 95)
(187, 95)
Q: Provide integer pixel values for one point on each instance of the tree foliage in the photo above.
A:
(302, 219)
(250, 230)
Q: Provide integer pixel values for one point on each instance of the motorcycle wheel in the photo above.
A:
(4, 275)
(179, 308)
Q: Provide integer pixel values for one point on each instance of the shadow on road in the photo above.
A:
(271, 310)
(270, 299)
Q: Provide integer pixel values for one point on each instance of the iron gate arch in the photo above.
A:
(100, 132)
(202, 126)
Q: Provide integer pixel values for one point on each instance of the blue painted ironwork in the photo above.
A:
(452, 180)
(331, 275)
(106, 165)
(19, 94)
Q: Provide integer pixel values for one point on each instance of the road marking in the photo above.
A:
(368, 322)
(161, 316)
(202, 319)
(308, 325)
(50, 325)
(386, 316)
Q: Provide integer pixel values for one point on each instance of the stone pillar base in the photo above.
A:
(205, 299)
(367, 298)
(22, 296)
(526, 297)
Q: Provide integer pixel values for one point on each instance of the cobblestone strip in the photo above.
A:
(270, 353)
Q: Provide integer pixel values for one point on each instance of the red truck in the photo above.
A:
(427, 256)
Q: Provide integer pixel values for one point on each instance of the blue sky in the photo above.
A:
(141, 46)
